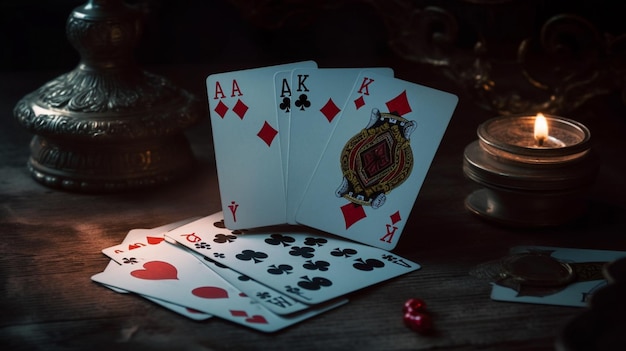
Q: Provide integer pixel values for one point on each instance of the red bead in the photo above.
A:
(419, 322)
(414, 305)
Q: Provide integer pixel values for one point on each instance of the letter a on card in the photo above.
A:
(247, 145)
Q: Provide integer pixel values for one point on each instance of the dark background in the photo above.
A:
(249, 32)
(32, 34)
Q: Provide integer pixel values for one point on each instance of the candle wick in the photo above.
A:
(540, 141)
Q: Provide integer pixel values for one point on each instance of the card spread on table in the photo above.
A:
(343, 150)
(272, 300)
(170, 273)
(318, 170)
(575, 293)
(265, 278)
(309, 267)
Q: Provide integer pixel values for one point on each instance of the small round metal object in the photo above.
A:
(519, 195)
(482, 167)
(539, 270)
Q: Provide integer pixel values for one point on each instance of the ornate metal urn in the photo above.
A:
(107, 125)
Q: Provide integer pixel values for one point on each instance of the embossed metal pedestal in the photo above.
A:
(107, 125)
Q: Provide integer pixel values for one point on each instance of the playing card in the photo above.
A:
(274, 301)
(282, 96)
(318, 98)
(182, 310)
(311, 268)
(138, 237)
(271, 299)
(247, 150)
(170, 273)
(376, 159)
(574, 294)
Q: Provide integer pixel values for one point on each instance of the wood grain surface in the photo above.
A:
(51, 241)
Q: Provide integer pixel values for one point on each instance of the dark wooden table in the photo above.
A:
(51, 241)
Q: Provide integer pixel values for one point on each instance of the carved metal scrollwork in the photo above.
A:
(505, 56)
(554, 70)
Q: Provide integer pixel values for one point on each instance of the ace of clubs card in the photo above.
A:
(376, 160)
(247, 147)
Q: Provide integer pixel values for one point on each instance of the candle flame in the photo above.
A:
(541, 129)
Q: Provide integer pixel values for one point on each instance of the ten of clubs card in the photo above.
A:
(309, 267)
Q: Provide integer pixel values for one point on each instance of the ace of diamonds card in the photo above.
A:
(246, 137)
(376, 159)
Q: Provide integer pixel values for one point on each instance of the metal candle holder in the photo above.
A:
(527, 183)
(107, 125)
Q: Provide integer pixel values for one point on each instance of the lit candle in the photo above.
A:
(536, 139)
(542, 134)
(534, 169)
(541, 129)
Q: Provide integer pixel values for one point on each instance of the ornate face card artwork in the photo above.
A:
(375, 162)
